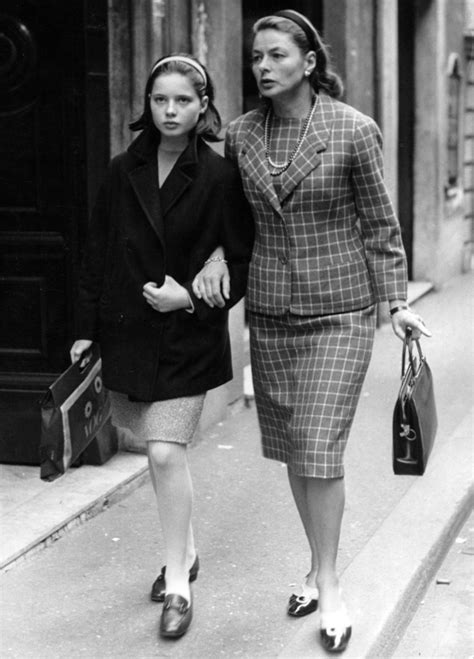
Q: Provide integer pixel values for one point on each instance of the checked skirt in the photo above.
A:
(308, 373)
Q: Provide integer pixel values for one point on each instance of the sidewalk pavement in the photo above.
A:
(396, 529)
(442, 625)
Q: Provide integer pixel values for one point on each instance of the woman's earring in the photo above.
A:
(307, 73)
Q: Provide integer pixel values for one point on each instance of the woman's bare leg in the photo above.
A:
(298, 486)
(320, 503)
(325, 500)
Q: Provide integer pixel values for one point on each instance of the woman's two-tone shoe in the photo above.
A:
(159, 586)
(176, 616)
(302, 605)
(335, 630)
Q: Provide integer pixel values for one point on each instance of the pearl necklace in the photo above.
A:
(278, 167)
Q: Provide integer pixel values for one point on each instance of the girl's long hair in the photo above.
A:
(209, 124)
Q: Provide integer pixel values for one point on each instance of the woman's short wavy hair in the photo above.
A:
(323, 77)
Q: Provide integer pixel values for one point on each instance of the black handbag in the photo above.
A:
(414, 418)
(73, 410)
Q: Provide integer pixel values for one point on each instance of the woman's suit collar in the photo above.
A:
(155, 202)
(307, 159)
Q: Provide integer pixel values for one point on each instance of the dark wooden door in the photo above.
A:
(53, 148)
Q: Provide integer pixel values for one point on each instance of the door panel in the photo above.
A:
(36, 206)
(33, 293)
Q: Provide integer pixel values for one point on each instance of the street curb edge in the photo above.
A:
(115, 494)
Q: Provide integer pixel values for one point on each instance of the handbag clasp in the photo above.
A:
(410, 436)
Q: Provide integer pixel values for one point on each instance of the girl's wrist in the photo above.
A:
(215, 259)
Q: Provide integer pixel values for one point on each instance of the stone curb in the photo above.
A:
(92, 504)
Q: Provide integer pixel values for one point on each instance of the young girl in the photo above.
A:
(165, 204)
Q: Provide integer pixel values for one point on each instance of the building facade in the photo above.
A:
(72, 76)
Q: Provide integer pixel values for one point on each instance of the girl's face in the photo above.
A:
(278, 64)
(175, 105)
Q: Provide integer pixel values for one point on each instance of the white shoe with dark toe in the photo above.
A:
(302, 605)
(335, 630)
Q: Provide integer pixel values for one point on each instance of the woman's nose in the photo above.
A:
(263, 65)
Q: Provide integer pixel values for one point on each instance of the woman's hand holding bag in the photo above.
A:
(404, 319)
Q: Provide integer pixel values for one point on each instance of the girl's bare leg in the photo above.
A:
(174, 493)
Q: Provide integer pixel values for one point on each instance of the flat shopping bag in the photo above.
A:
(74, 409)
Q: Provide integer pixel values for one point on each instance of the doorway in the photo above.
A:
(54, 146)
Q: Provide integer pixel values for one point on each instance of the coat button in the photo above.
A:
(283, 259)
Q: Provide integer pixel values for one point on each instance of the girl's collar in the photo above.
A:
(146, 144)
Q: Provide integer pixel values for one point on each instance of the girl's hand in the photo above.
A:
(212, 284)
(169, 297)
(78, 348)
(405, 318)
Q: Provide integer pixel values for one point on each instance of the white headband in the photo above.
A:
(186, 60)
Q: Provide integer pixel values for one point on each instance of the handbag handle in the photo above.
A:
(408, 348)
(85, 361)
(407, 431)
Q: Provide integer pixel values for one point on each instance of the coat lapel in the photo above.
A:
(155, 202)
(254, 164)
(314, 143)
(308, 158)
(180, 177)
(144, 178)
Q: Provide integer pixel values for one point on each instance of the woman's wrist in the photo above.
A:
(398, 307)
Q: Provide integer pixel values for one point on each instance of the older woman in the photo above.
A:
(327, 249)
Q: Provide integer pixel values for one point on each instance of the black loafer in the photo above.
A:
(159, 586)
(176, 616)
(302, 605)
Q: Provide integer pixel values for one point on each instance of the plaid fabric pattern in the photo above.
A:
(308, 374)
(329, 242)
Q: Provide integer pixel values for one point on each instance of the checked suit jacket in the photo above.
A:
(330, 242)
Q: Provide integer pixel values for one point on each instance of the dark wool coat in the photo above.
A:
(139, 233)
